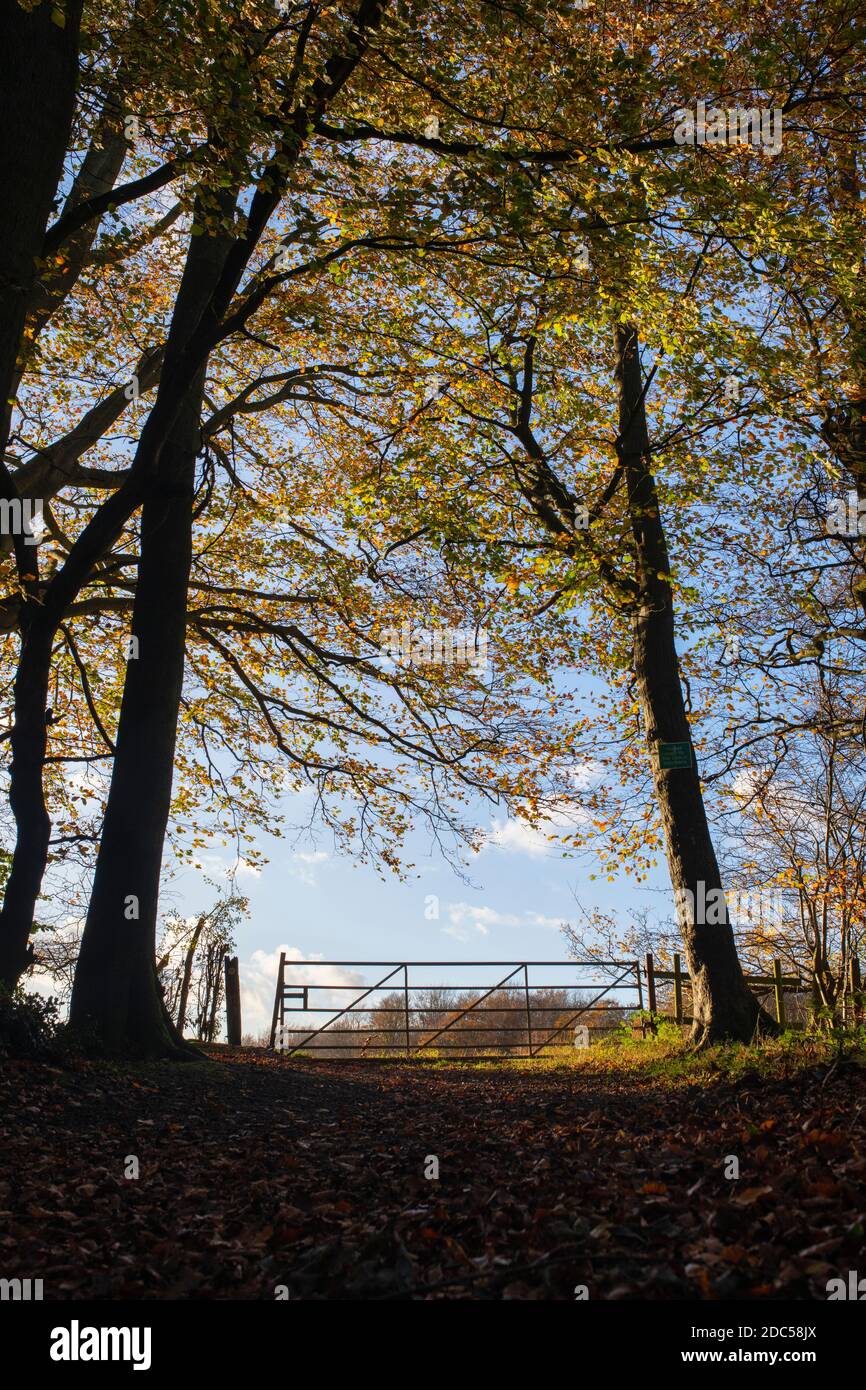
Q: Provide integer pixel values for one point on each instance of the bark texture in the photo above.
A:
(116, 1001)
(37, 99)
(723, 1006)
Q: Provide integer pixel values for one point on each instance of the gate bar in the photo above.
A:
(582, 1010)
(348, 1006)
(471, 1006)
(278, 997)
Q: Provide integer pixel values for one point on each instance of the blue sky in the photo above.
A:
(313, 902)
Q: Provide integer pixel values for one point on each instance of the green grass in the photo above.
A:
(667, 1057)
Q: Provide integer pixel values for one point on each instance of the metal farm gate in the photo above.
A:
(379, 1009)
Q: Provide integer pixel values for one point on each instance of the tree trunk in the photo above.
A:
(843, 426)
(97, 174)
(187, 975)
(214, 268)
(216, 976)
(115, 999)
(37, 99)
(41, 616)
(723, 1006)
(27, 799)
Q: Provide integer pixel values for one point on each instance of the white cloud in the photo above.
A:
(520, 837)
(587, 774)
(464, 919)
(481, 917)
(259, 983)
(304, 864)
(244, 868)
(458, 933)
(516, 837)
(537, 919)
(213, 863)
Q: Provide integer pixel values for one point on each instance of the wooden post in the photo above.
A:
(779, 991)
(527, 1008)
(650, 984)
(234, 1031)
(278, 996)
(678, 990)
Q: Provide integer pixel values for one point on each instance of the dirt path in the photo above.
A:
(256, 1174)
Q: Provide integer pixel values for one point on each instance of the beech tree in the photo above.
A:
(36, 110)
(115, 978)
(723, 1005)
(522, 293)
(214, 269)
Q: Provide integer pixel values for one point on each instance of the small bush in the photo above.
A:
(28, 1024)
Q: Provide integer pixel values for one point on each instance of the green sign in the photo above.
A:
(675, 755)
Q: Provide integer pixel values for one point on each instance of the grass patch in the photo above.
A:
(668, 1057)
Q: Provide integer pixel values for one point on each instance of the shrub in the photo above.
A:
(28, 1024)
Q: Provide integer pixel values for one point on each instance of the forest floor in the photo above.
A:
(260, 1178)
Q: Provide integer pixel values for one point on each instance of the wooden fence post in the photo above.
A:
(678, 990)
(779, 991)
(650, 983)
(278, 996)
(234, 1031)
